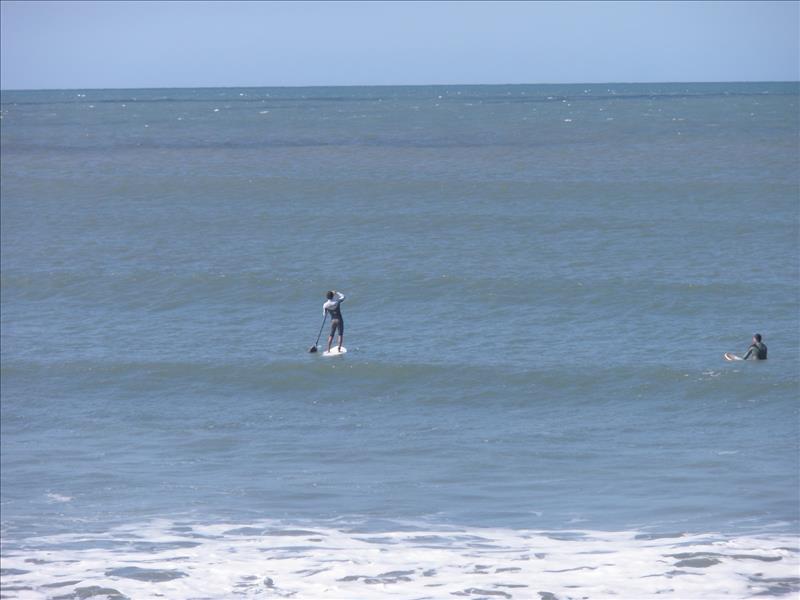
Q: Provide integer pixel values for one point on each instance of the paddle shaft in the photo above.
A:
(320, 329)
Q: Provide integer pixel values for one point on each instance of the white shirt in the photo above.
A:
(332, 303)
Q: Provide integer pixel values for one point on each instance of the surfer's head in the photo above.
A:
(757, 337)
(329, 295)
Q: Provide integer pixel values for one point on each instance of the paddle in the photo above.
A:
(314, 347)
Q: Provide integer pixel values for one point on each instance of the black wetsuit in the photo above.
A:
(756, 351)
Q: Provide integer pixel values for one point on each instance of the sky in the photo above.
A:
(117, 44)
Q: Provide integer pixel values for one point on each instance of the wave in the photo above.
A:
(348, 141)
(159, 289)
(185, 559)
(507, 288)
(365, 374)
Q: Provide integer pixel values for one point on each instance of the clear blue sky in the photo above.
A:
(97, 44)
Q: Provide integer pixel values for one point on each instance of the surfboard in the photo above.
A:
(335, 351)
(731, 356)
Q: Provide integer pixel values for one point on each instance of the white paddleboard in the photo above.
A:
(731, 356)
(335, 351)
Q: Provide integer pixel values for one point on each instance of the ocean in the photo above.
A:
(540, 281)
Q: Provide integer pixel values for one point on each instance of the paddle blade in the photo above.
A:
(312, 349)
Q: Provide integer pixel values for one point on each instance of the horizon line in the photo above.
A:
(387, 85)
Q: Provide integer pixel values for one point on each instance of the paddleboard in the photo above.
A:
(731, 356)
(335, 351)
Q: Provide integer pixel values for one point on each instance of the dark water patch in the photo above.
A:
(170, 559)
(290, 533)
(150, 575)
(756, 557)
(775, 586)
(567, 536)
(438, 541)
(658, 536)
(547, 596)
(93, 591)
(484, 546)
(60, 584)
(480, 570)
(384, 578)
(396, 574)
(378, 540)
(311, 572)
(245, 531)
(698, 563)
(571, 570)
(382, 581)
(678, 573)
(717, 555)
(7, 572)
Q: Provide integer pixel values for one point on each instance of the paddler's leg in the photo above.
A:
(333, 332)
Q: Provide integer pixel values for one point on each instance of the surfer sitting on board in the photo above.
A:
(757, 350)
(332, 308)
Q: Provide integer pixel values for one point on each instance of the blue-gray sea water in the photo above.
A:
(541, 282)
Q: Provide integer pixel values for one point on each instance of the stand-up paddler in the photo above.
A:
(332, 307)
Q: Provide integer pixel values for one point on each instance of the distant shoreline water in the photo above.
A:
(408, 85)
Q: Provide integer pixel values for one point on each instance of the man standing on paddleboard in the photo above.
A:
(332, 308)
(757, 350)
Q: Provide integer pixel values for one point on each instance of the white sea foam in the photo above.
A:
(53, 497)
(271, 559)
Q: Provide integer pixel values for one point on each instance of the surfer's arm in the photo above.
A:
(340, 296)
(749, 352)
